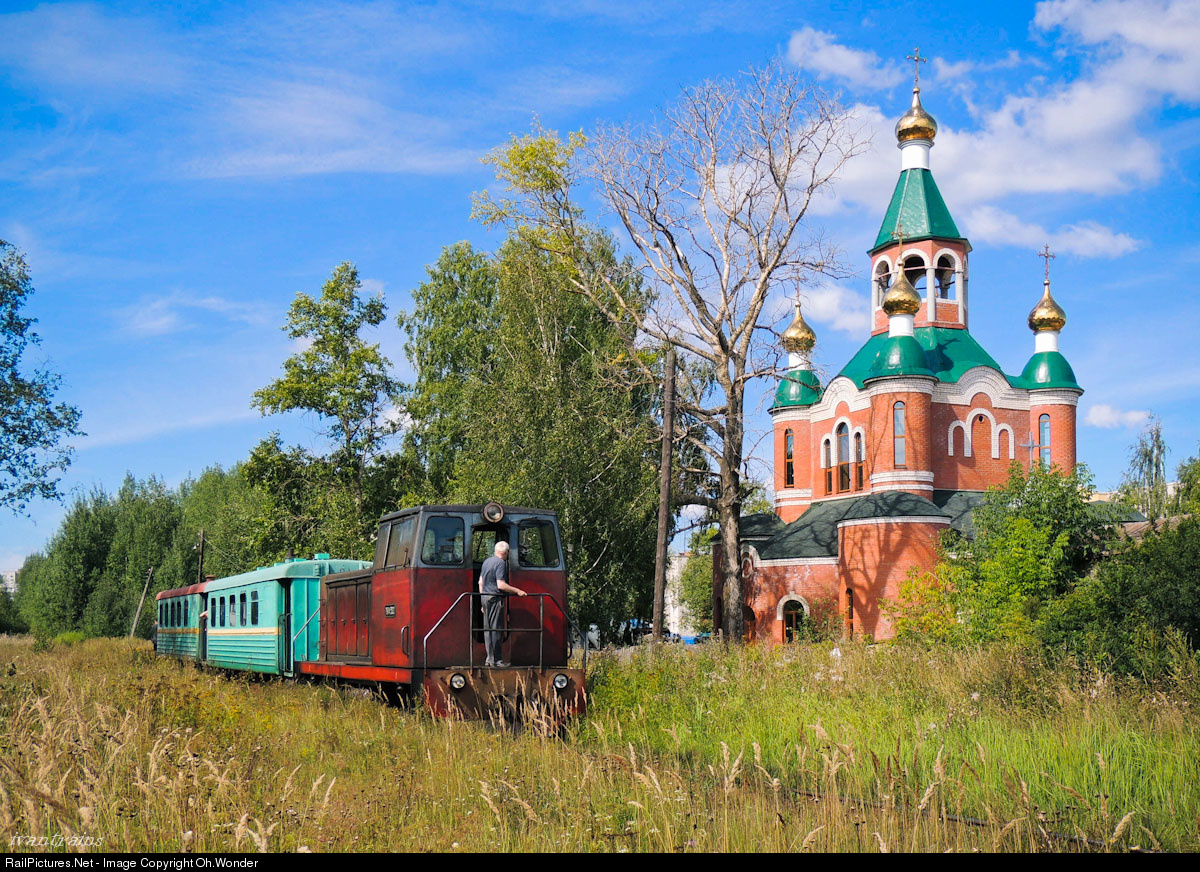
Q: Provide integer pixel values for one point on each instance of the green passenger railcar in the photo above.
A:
(264, 620)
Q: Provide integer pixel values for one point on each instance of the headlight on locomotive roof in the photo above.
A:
(560, 682)
(458, 681)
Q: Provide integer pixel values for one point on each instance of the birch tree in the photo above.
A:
(714, 199)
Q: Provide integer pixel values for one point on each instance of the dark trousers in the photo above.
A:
(493, 625)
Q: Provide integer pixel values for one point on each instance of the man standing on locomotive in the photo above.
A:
(493, 584)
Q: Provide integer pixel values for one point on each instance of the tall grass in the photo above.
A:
(878, 749)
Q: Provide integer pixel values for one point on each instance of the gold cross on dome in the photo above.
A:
(917, 60)
(1047, 256)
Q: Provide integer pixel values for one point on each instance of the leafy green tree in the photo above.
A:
(451, 334)
(54, 592)
(339, 376)
(1145, 483)
(1034, 539)
(1187, 498)
(696, 580)
(10, 618)
(555, 423)
(33, 428)
(1130, 613)
(145, 517)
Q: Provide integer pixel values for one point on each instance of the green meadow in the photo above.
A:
(809, 748)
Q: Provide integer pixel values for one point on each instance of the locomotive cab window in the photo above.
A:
(399, 549)
(443, 542)
(536, 544)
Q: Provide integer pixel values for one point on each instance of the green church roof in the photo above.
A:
(918, 209)
(1048, 369)
(949, 352)
(798, 388)
(899, 355)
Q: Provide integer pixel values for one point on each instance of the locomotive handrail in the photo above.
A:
(470, 595)
(316, 612)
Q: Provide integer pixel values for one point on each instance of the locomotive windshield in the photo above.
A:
(443, 542)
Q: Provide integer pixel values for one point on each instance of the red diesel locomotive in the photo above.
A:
(410, 621)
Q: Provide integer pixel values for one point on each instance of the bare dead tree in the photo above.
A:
(714, 199)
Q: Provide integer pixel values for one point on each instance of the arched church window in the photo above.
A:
(858, 461)
(914, 269)
(789, 472)
(883, 278)
(945, 277)
(1044, 439)
(843, 456)
(827, 465)
(898, 433)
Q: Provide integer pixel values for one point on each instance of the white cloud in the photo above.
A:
(1110, 417)
(816, 51)
(81, 46)
(132, 429)
(839, 308)
(1086, 238)
(158, 317)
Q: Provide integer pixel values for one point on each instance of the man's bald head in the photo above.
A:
(502, 549)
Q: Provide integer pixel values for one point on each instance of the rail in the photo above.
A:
(540, 629)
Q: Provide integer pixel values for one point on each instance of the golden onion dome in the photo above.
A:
(798, 337)
(1047, 314)
(902, 298)
(916, 123)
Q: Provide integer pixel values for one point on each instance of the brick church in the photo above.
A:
(872, 467)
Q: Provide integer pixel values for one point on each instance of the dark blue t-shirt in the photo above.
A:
(494, 569)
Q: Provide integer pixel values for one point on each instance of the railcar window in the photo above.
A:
(399, 551)
(254, 608)
(185, 613)
(175, 616)
(221, 616)
(443, 543)
(242, 602)
(536, 544)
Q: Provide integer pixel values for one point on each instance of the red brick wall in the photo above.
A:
(881, 433)
(1062, 433)
(979, 471)
(873, 560)
(817, 584)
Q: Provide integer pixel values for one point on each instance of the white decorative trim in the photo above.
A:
(1045, 340)
(901, 475)
(789, 414)
(791, 598)
(917, 519)
(902, 384)
(966, 438)
(982, 380)
(793, 493)
(840, 390)
(1054, 397)
(900, 486)
(1012, 442)
(799, 561)
(914, 252)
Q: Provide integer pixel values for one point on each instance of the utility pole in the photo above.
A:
(664, 495)
(200, 571)
(138, 614)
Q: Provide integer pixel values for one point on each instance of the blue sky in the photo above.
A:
(175, 174)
